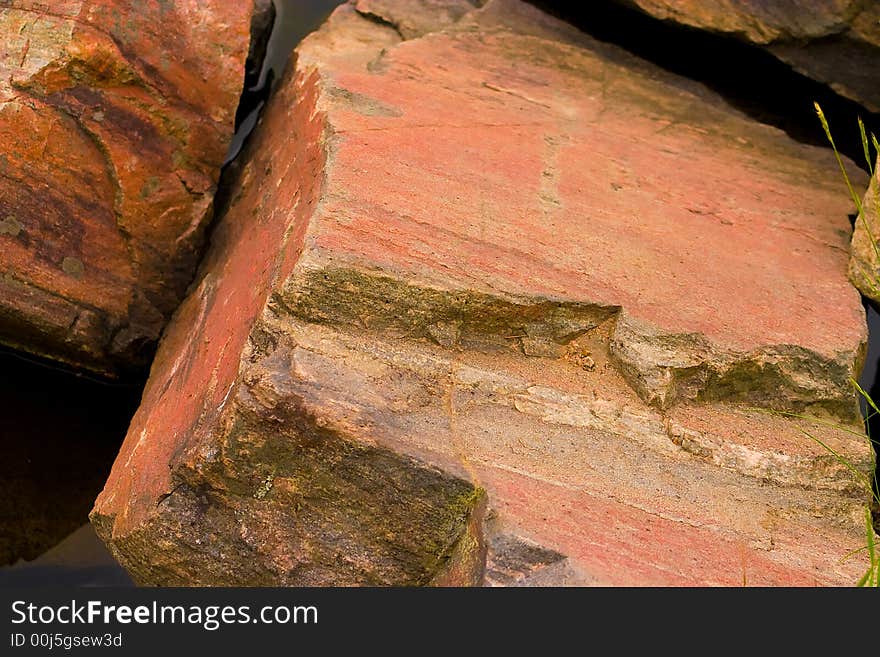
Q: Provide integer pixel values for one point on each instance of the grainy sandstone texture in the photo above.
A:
(115, 117)
(486, 285)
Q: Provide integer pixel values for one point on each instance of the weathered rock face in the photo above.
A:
(502, 257)
(114, 119)
(511, 561)
(864, 264)
(833, 41)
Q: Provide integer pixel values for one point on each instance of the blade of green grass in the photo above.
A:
(865, 147)
(872, 280)
(852, 192)
(842, 459)
(872, 555)
(809, 418)
(865, 395)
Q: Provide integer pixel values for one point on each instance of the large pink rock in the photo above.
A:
(115, 117)
(502, 259)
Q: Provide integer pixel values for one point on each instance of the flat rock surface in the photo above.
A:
(115, 118)
(592, 181)
(503, 266)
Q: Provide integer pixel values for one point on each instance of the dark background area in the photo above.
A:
(60, 433)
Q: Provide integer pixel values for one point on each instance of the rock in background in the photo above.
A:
(115, 117)
(500, 271)
(833, 41)
(864, 265)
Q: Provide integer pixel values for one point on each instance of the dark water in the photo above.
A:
(60, 434)
(870, 383)
(868, 380)
(294, 19)
(79, 560)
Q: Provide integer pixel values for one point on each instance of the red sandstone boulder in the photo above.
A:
(114, 118)
(502, 263)
(833, 41)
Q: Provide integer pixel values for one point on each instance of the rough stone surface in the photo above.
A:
(114, 118)
(418, 17)
(864, 264)
(503, 257)
(513, 561)
(834, 41)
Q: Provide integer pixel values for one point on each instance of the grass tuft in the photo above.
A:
(871, 577)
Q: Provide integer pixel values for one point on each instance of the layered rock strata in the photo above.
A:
(490, 278)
